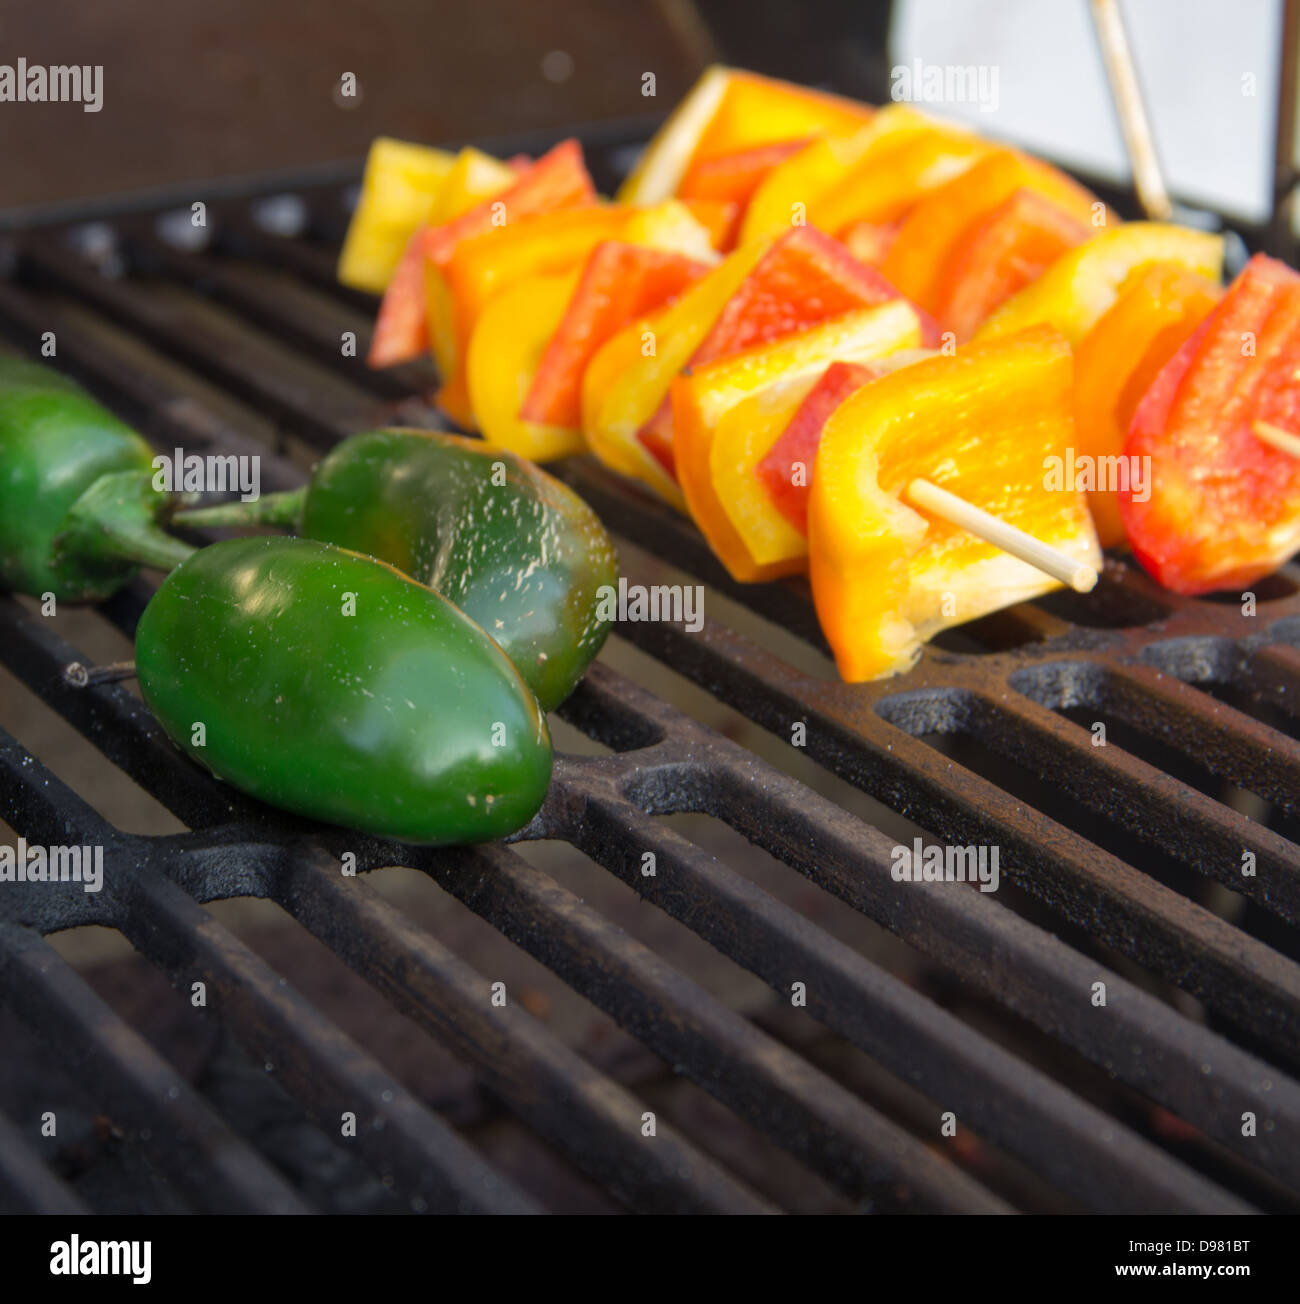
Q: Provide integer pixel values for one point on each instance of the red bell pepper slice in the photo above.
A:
(798, 441)
(1222, 508)
(1001, 254)
(620, 283)
(559, 179)
(736, 176)
(806, 277)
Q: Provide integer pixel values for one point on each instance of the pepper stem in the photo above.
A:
(116, 521)
(283, 508)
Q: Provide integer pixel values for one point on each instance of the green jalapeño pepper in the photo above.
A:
(77, 508)
(511, 546)
(334, 686)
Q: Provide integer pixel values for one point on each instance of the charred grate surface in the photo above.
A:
(1122, 864)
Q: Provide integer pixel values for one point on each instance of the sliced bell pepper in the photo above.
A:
(765, 496)
(544, 244)
(399, 191)
(785, 471)
(628, 378)
(999, 255)
(558, 179)
(620, 283)
(1118, 359)
(936, 228)
(790, 192)
(870, 242)
(897, 170)
(735, 176)
(502, 360)
(727, 111)
(980, 423)
(1222, 508)
(402, 327)
(804, 278)
(735, 390)
(1082, 284)
(720, 217)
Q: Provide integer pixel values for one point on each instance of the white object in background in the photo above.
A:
(1209, 74)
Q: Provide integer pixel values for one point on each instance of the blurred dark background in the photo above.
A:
(194, 89)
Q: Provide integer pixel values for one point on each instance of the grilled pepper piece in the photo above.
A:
(791, 191)
(1223, 507)
(1117, 361)
(543, 245)
(512, 547)
(804, 278)
(980, 423)
(935, 230)
(335, 687)
(1082, 284)
(557, 180)
(785, 471)
(999, 255)
(399, 191)
(727, 111)
(620, 283)
(78, 512)
(746, 390)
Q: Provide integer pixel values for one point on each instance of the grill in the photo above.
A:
(889, 1006)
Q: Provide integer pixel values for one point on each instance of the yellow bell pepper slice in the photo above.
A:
(737, 391)
(504, 352)
(399, 190)
(729, 110)
(627, 380)
(1083, 284)
(792, 189)
(981, 424)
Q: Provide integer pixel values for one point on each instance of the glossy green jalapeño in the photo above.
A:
(511, 546)
(333, 686)
(77, 509)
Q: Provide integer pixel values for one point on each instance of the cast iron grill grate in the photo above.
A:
(1114, 868)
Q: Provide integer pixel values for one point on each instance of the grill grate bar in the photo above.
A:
(313, 1059)
(1024, 1112)
(26, 1184)
(1182, 942)
(1162, 810)
(215, 1170)
(830, 1129)
(595, 1122)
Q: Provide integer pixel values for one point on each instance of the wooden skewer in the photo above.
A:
(1275, 437)
(1132, 112)
(1081, 577)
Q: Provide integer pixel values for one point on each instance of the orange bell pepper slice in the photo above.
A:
(558, 179)
(789, 194)
(804, 278)
(1118, 359)
(895, 173)
(935, 229)
(1000, 255)
(980, 423)
(1082, 284)
(1221, 508)
(399, 192)
(728, 111)
(734, 391)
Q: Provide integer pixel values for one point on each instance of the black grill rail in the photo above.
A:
(1194, 691)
